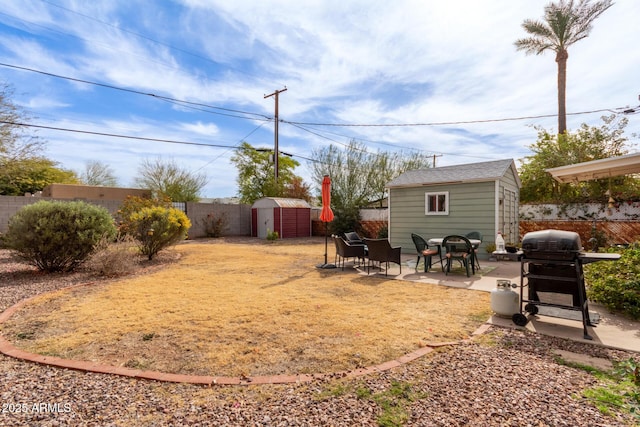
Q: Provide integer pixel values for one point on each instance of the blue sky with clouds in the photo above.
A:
(350, 62)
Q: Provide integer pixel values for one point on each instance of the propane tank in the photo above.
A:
(504, 301)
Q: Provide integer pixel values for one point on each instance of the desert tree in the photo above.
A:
(98, 173)
(165, 178)
(16, 142)
(23, 167)
(359, 177)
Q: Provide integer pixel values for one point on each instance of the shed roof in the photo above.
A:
(470, 172)
(280, 202)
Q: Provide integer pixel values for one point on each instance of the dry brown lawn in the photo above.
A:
(247, 307)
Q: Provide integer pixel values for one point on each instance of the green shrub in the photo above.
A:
(58, 236)
(617, 284)
(157, 227)
(133, 204)
(272, 235)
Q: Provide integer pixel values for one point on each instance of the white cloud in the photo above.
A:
(373, 62)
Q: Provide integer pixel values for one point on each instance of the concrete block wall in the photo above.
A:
(238, 216)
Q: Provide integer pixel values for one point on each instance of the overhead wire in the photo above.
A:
(297, 123)
(427, 153)
(141, 138)
(300, 125)
(449, 123)
(138, 92)
(291, 122)
(114, 135)
(235, 147)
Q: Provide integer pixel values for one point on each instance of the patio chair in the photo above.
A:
(345, 251)
(424, 251)
(353, 238)
(478, 236)
(459, 248)
(381, 251)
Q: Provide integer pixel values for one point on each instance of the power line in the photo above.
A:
(459, 122)
(235, 146)
(115, 135)
(140, 138)
(194, 105)
(389, 144)
(137, 92)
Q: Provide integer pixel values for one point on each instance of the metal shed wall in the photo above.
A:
(288, 217)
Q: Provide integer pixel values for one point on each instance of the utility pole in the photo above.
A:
(434, 159)
(275, 133)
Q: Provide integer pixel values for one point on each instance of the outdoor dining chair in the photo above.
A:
(424, 251)
(345, 251)
(477, 236)
(352, 238)
(381, 251)
(459, 248)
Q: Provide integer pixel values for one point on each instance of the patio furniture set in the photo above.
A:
(448, 249)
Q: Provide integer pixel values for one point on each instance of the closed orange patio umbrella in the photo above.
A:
(326, 216)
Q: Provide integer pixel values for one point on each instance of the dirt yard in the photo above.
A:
(246, 307)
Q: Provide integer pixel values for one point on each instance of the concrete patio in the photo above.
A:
(611, 330)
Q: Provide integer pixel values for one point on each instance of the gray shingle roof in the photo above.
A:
(484, 171)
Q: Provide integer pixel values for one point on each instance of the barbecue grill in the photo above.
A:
(551, 262)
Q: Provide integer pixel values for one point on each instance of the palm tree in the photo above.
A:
(564, 24)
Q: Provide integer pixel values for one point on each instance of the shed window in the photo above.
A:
(436, 203)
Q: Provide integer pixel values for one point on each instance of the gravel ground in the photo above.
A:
(504, 378)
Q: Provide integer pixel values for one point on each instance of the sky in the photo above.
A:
(441, 78)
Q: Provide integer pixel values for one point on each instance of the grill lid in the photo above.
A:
(551, 244)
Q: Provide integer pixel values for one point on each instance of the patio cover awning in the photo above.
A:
(597, 169)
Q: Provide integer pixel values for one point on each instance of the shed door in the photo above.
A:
(510, 225)
(265, 221)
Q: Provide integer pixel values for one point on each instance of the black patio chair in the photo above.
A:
(459, 248)
(424, 251)
(345, 251)
(381, 251)
(477, 236)
(352, 238)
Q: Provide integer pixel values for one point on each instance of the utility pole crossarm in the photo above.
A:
(275, 131)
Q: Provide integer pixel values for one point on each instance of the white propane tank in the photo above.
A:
(504, 301)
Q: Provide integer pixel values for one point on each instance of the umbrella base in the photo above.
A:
(325, 266)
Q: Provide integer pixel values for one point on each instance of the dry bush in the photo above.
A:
(114, 258)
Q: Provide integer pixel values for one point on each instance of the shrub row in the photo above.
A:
(60, 236)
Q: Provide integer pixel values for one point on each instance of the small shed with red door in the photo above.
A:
(288, 217)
